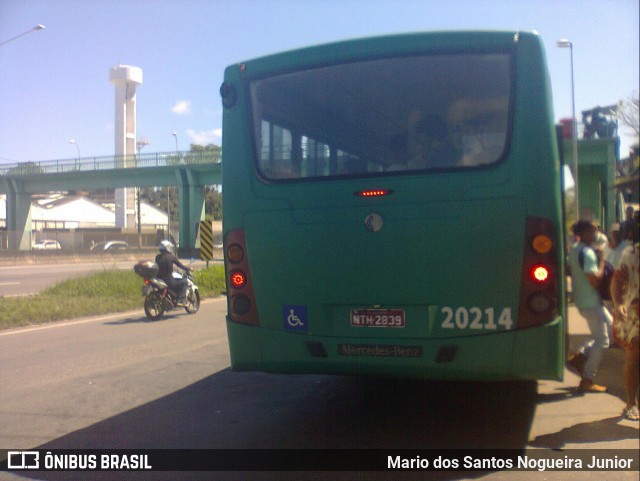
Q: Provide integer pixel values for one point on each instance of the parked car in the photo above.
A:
(47, 245)
(111, 246)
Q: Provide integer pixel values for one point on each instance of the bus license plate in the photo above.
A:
(377, 318)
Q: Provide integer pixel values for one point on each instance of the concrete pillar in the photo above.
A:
(191, 208)
(125, 78)
(18, 216)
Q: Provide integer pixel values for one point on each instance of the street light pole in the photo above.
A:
(139, 144)
(175, 135)
(34, 29)
(72, 141)
(565, 43)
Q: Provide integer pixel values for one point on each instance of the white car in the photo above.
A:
(110, 246)
(47, 245)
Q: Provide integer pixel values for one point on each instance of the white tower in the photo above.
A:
(125, 79)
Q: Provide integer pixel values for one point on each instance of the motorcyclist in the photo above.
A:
(165, 260)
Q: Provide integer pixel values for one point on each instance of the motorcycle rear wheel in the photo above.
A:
(153, 306)
(193, 301)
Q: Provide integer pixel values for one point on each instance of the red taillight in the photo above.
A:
(147, 281)
(241, 303)
(374, 192)
(238, 279)
(540, 268)
(540, 273)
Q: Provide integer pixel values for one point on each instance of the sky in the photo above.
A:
(54, 83)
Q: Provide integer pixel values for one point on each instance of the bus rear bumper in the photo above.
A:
(528, 354)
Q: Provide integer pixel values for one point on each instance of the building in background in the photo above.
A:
(77, 221)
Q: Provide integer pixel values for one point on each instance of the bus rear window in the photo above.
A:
(407, 114)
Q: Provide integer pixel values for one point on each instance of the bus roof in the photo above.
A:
(394, 44)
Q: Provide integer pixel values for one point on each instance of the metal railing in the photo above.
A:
(84, 164)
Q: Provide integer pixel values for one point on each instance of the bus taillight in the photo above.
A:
(539, 282)
(374, 192)
(542, 244)
(540, 273)
(238, 279)
(241, 303)
(235, 254)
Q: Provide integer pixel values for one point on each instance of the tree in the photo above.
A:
(628, 113)
(25, 168)
(206, 148)
(209, 153)
(213, 202)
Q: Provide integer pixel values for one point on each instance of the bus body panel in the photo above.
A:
(506, 356)
(339, 266)
(446, 248)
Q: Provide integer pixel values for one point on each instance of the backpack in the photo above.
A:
(604, 289)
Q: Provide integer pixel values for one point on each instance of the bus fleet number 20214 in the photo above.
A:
(476, 318)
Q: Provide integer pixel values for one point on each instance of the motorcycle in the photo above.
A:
(159, 298)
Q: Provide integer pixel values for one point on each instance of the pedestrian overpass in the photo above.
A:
(189, 171)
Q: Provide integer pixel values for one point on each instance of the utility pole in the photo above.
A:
(139, 144)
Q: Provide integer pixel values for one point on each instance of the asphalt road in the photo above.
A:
(20, 280)
(122, 382)
(30, 279)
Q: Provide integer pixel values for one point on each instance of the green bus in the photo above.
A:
(393, 206)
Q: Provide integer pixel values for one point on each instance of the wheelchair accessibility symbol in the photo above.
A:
(295, 318)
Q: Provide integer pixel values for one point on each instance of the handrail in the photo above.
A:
(85, 164)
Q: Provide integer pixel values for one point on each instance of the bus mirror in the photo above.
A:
(229, 95)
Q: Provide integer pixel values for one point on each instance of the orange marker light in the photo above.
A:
(235, 254)
(542, 244)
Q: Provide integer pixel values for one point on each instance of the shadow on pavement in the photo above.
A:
(230, 410)
(605, 430)
(256, 411)
(135, 319)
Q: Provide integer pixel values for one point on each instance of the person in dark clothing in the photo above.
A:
(629, 228)
(165, 260)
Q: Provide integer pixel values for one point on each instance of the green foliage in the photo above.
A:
(101, 293)
(210, 281)
(213, 203)
(108, 283)
(25, 168)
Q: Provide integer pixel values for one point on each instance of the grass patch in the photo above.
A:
(210, 281)
(101, 293)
